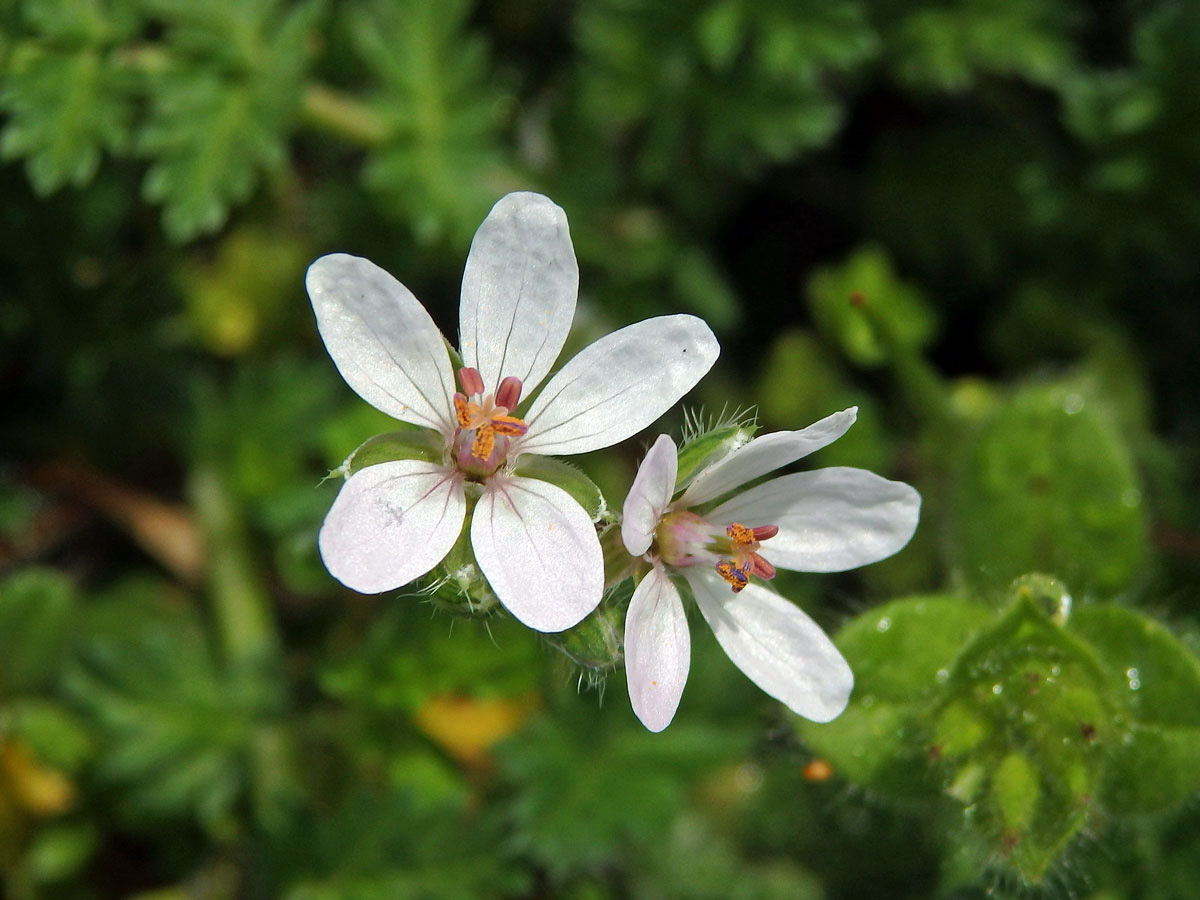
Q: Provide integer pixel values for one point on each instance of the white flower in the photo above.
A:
(394, 521)
(829, 520)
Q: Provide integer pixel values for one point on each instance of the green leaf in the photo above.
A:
(1022, 706)
(1048, 486)
(948, 47)
(867, 310)
(1156, 741)
(404, 658)
(1009, 715)
(81, 22)
(67, 107)
(443, 157)
(60, 850)
(210, 139)
(729, 86)
(719, 32)
(56, 735)
(217, 125)
(386, 844)
(901, 654)
(174, 732)
(1016, 791)
(704, 289)
(38, 609)
(570, 820)
(697, 860)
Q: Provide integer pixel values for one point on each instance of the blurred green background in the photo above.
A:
(977, 220)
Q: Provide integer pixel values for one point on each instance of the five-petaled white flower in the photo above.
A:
(829, 520)
(537, 547)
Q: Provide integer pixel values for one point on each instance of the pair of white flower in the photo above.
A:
(395, 521)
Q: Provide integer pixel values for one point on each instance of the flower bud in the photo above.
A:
(709, 446)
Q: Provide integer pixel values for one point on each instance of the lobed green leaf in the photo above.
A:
(67, 107)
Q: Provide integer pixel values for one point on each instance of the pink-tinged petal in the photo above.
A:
(658, 650)
(538, 549)
(766, 454)
(518, 291)
(776, 645)
(391, 523)
(649, 496)
(829, 520)
(620, 384)
(382, 340)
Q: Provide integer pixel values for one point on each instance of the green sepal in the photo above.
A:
(1155, 680)
(566, 476)
(710, 446)
(596, 643)
(415, 443)
(457, 584)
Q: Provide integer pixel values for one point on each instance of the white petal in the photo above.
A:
(391, 523)
(766, 454)
(518, 292)
(538, 549)
(658, 650)
(776, 644)
(382, 340)
(620, 384)
(649, 496)
(829, 520)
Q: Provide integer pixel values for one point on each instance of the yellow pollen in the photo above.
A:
(741, 535)
(508, 425)
(485, 441)
(735, 576)
(465, 411)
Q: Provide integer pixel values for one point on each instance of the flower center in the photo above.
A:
(684, 539)
(744, 559)
(485, 428)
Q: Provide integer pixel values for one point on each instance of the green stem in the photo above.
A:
(342, 115)
(241, 606)
(923, 387)
(250, 642)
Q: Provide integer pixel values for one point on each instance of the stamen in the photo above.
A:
(471, 381)
(744, 559)
(463, 410)
(736, 578)
(484, 443)
(485, 428)
(509, 393)
(509, 425)
(760, 567)
(740, 534)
